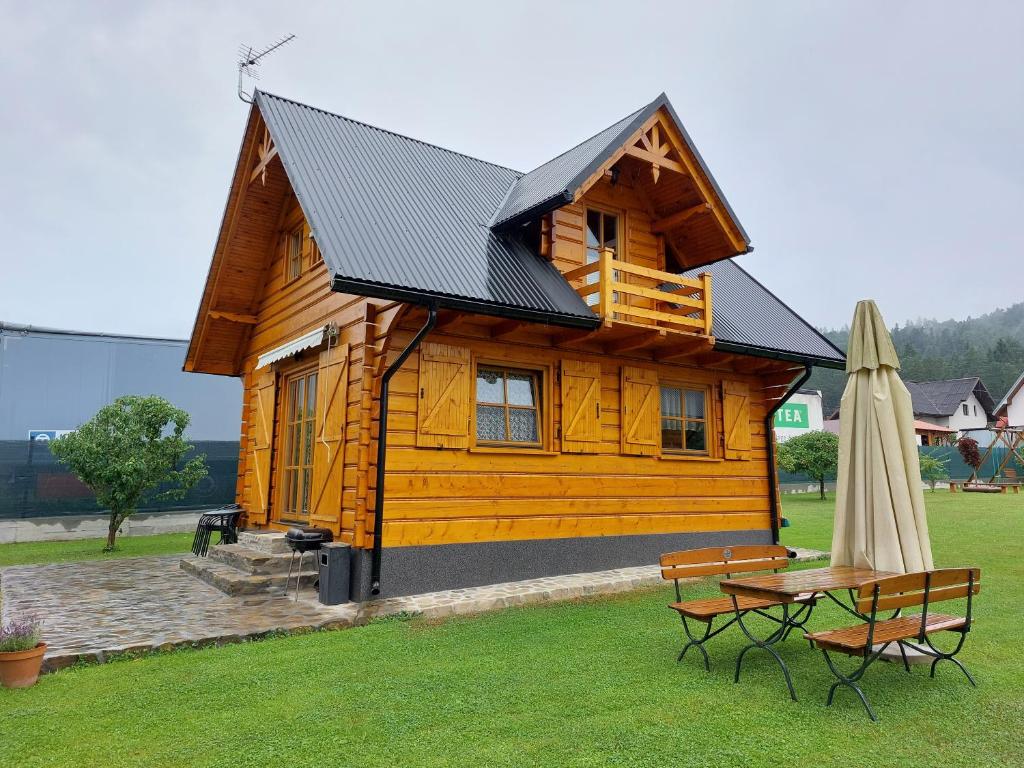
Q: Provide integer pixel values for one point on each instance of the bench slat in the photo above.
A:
(732, 566)
(717, 554)
(853, 640)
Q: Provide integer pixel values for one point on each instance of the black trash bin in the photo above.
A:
(335, 562)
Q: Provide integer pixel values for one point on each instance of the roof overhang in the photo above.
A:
(444, 301)
(775, 354)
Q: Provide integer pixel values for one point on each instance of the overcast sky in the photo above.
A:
(870, 149)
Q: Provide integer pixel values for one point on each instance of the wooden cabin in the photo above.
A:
(578, 375)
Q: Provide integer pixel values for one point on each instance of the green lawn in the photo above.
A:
(593, 683)
(92, 549)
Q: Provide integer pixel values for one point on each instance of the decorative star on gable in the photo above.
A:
(652, 149)
(265, 152)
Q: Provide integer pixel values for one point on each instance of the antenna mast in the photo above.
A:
(249, 60)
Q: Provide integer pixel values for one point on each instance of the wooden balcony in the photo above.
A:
(631, 295)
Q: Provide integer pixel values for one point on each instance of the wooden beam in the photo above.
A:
(656, 159)
(637, 341)
(675, 219)
(234, 317)
(449, 319)
(574, 335)
(506, 328)
(685, 351)
(753, 365)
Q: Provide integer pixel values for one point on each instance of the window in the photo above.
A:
(684, 420)
(295, 253)
(507, 406)
(975, 409)
(966, 412)
(297, 458)
(602, 233)
(315, 257)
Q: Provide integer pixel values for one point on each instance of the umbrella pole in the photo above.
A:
(773, 471)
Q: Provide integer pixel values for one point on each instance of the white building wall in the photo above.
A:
(793, 421)
(1015, 410)
(975, 416)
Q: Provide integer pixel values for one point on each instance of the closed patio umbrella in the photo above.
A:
(880, 518)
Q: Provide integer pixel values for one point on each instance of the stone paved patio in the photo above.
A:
(95, 610)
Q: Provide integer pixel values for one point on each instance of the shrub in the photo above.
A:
(815, 454)
(933, 470)
(128, 449)
(968, 448)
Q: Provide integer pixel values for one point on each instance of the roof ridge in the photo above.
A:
(631, 115)
(387, 131)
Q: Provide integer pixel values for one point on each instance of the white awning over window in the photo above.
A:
(307, 341)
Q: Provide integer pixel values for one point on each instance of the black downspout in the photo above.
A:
(382, 446)
(773, 474)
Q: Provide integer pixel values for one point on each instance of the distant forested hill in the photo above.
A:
(990, 346)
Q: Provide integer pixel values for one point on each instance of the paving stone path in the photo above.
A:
(98, 609)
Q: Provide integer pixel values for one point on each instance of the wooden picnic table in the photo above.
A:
(791, 587)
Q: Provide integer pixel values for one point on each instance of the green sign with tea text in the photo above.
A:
(792, 416)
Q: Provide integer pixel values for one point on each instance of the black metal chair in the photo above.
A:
(223, 521)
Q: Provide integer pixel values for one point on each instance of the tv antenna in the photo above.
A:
(250, 59)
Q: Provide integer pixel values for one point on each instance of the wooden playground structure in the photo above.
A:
(1003, 478)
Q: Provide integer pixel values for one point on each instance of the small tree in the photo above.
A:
(128, 449)
(933, 470)
(968, 448)
(815, 454)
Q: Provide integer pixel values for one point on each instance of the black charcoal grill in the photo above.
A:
(303, 540)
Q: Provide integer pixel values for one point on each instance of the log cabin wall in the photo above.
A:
(639, 246)
(288, 308)
(475, 494)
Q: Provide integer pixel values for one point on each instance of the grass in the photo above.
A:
(591, 683)
(25, 553)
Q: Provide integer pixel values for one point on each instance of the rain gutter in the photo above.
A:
(773, 473)
(382, 446)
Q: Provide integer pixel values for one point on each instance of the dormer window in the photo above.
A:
(294, 254)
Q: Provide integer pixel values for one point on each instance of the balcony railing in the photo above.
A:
(627, 293)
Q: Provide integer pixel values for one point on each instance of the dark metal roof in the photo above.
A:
(942, 398)
(747, 317)
(1010, 394)
(399, 218)
(553, 184)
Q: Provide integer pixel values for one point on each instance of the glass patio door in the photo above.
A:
(296, 473)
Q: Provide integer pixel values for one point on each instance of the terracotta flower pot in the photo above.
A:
(20, 669)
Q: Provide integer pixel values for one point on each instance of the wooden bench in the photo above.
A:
(870, 639)
(713, 561)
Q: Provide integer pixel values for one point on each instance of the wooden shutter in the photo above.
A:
(442, 415)
(258, 507)
(641, 408)
(329, 448)
(581, 406)
(736, 419)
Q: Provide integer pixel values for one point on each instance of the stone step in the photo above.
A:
(270, 542)
(257, 563)
(232, 581)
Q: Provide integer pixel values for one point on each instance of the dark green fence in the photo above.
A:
(955, 466)
(34, 484)
(958, 469)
